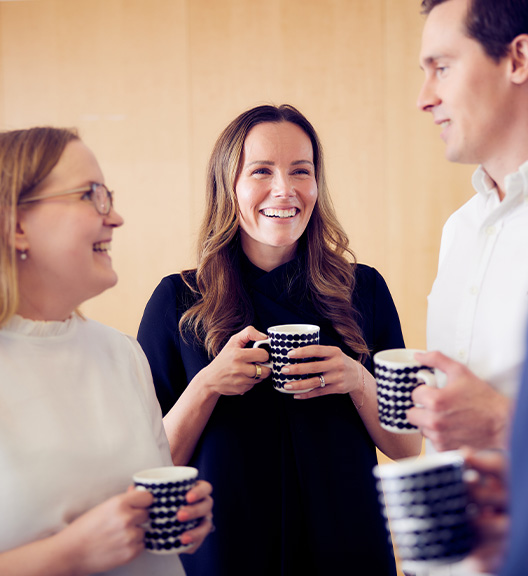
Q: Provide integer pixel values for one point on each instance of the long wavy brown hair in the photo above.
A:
(222, 305)
(26, 158)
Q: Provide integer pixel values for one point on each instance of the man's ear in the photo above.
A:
(519, 59)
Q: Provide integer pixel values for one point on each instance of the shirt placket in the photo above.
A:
(488, 237)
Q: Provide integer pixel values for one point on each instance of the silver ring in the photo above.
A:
(323, 383)
(258, 372)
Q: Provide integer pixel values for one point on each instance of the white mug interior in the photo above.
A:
(398, 357)
(293, 329)
(409, 466)
(165, 474)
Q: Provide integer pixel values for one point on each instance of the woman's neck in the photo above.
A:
(33, 309)
(268, 258)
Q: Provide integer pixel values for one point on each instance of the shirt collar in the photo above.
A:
(514, 184)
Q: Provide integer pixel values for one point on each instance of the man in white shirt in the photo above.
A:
(475, 58)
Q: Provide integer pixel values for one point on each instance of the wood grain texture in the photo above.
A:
(151, 84)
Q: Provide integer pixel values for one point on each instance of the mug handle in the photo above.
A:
(428, 378)
(261, 343)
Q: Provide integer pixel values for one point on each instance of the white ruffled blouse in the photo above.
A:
(78, 416)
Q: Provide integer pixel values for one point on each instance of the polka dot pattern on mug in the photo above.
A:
(281, 344)
(428, 515)
(395, 386)
(162, 535)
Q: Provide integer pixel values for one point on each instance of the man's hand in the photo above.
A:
(466, 412)
(489, 494)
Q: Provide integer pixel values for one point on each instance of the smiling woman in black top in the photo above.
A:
(294, 492)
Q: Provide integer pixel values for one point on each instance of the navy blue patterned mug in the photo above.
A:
(426, 502)
(168, 485)
(281, 340)
(397, 375)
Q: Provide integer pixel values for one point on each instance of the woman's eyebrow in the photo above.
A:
(266, 162)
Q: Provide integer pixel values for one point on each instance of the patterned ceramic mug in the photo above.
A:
(168, 485)
(426, 501)
(397, 375)
(281, 340)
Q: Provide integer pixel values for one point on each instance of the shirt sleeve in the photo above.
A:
(150, 402)
(159, 337)
(387, 326)
(379, 317)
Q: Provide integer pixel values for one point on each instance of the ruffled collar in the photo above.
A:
(40, 328)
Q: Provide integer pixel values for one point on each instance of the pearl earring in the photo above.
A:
(23, 255)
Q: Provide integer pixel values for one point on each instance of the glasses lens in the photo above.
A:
(102, 198)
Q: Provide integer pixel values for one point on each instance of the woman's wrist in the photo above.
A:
(358, 397)
(204, 385)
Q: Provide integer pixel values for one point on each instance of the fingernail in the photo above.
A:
(285, 370)
(186, 539)
(183, 515)
(291, 354)
(288, 386)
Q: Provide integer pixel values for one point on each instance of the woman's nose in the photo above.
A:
(113, 218)
(283, 186)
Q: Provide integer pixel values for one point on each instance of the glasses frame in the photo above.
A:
(103, 209)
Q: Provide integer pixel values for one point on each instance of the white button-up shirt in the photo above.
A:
(478, 306)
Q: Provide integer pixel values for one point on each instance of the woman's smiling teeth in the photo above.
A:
(276, 213)
(102, 246)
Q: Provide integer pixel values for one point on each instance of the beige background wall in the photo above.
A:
(151, 83)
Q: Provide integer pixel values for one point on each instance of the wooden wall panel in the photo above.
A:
(119, 71)
(151, 84)
(422, 188)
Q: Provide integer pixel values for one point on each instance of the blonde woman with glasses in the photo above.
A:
(78, 410)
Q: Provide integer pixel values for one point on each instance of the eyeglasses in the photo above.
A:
(101, 197)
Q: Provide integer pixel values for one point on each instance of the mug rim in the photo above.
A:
(401, 526)
(293, 328)
(389, 357)
(163, 474)
(408, 466)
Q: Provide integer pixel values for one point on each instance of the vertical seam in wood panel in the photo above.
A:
(2, 94)
(189, 125)
(385, 153)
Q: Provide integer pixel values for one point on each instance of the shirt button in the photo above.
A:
(462, 354)
(473, 290)
(490, 230)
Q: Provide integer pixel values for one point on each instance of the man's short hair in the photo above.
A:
(492, 23)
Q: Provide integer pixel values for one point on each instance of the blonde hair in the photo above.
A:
(26, 158)
(222, 307)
